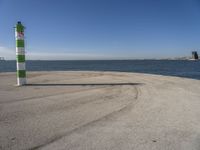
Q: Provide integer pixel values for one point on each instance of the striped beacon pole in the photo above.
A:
(20, 54)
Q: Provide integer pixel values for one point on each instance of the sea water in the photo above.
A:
(180, 68)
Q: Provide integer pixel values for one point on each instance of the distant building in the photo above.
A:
(195, 55)
(2, 58)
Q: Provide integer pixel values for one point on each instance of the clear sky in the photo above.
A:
(101, 29)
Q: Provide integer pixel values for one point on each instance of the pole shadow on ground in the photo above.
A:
(82, 84)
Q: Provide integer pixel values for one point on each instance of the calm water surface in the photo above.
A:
(181, 68)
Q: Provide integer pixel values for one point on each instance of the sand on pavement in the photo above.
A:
(99, 111)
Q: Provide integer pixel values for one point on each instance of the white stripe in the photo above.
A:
(21, 81)
(21, 66)
(19, 36)
(20, 51)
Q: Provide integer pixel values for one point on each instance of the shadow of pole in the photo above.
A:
(83, 84)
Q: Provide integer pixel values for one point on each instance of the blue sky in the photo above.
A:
(101, 29)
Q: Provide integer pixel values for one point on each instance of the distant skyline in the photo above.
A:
(101, 29)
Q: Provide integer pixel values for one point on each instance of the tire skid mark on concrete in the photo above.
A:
(120, 111)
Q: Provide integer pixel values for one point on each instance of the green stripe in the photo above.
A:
(21, 73)
(20, 58)
(20, 28)
(20, 43)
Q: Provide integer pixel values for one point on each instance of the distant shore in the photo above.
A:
(176, 58)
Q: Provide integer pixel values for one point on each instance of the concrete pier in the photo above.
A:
(99, 110)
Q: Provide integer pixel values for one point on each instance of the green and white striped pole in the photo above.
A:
(20, 54)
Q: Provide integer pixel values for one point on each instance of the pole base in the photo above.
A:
(21, 81)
